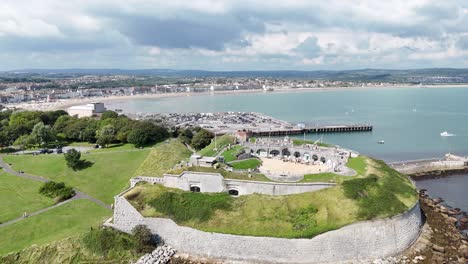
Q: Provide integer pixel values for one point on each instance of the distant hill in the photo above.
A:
(429, 75)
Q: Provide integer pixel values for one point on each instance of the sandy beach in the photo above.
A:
(63, 104)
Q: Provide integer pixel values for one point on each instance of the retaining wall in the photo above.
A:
(215, 183)
(356, 242)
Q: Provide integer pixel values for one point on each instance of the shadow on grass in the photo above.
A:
(84, 164)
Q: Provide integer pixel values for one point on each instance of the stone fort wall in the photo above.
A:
(215, 182)
(356, 242)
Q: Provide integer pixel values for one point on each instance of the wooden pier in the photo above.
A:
(314, 129)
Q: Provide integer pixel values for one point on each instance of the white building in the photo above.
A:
(92, 109)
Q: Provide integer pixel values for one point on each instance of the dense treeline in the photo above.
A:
(44, 129)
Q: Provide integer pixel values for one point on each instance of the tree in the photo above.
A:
(24, 141)
(109, 114)
(202, 139)
(145, 132)
(143, 238)
(73, 157)
(106, 135)
(41, 134)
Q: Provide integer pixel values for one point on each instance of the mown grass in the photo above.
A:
(221, 142)
(246, 164)
(224, 173)
(385, 193)
(358, 164)
(162, 158)
(20, 195)
(323, 177)
(230, 154)
(107, 176)
(64, 221)
(297, 141)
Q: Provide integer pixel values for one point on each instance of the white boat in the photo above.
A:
(446, 134)
(381, 142)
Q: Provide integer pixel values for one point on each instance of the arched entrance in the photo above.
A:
(274, 153)
(262, 152)
(195, 188)
(315, 157)
(323, 160)
(297, 154)
(233, 192)
(285, 152)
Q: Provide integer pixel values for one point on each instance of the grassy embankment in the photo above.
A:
(108, 174)
(221, 142)
(230, 154)
(20, 195)
(58, 223)
(163, 158)
(379, 192)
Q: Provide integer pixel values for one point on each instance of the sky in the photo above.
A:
(233, 35)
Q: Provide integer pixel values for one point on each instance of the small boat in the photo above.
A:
(381, 142)
(446, 134)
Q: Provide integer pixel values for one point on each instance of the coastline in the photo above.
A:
(63, 104)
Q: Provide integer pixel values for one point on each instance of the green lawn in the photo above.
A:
(162, 158)
(384, 193)
(358, 164)
(323, 177)
(230, 155)
(64, 221)
(108, 175)
(221, 142)
(20, 195)
(297, 141)
(246, 164)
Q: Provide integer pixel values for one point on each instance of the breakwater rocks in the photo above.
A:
(161, 255)
(441, 241)
(437, 174)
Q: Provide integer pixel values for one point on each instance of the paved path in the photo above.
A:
(78, 194)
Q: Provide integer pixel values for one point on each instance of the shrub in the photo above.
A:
(102, 241)
(73, 159)
(191, 206)
(7, 150)
(144, 240)
(57, 190)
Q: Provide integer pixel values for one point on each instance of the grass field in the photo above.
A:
(221, 142)
(246, 164)
(230, 155)
(162, 158)
(383, 193)
(61, 222)
(20, 195)
(108, 175)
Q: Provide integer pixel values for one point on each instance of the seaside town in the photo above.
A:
(15, 90)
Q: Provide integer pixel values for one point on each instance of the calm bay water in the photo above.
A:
(451, 188)
(410, 120)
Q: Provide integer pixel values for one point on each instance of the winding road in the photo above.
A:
(78, 194)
